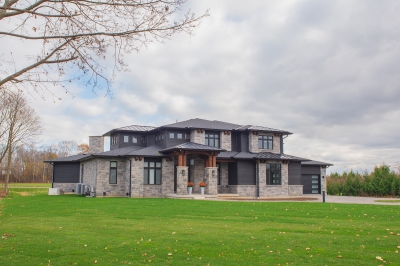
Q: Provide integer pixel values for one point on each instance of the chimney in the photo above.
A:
(96, 144)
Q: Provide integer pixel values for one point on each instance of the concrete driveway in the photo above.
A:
(359, 200)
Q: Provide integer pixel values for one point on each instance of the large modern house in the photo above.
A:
(146, 161)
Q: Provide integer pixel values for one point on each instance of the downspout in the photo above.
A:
(258, 179)
(130, 178)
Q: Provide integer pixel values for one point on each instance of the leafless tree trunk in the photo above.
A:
(23, 126)
(78, 34)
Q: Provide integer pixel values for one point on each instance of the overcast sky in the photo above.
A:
(328, 71)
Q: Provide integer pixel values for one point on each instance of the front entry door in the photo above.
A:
(311, 184)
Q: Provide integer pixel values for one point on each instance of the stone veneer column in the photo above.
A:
(197, 137)
(211, 180)
(226, 142)
(182, 180)
(167, 176)
(96, 144)
(137, 178)
(323, 179)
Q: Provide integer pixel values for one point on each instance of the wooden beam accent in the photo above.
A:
(184, 160)
(180, 160)
(214, 161)
(210, 161)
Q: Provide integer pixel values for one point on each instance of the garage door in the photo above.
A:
(311, 184)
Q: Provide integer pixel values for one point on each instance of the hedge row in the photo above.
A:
(381, 182)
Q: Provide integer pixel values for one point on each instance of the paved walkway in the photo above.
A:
(359, 200)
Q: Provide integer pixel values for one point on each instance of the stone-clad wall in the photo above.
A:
(223, 187)
(89, 173)
(96, 144)
(226, 142)
(323, 179)
(137, 178)
(182, 180)
(167, 177)
(65, 187)
(152, 191)
(274, 190)
(253, 143)
(103, 178)
(295, 190)
(197, 137)
(197, 173)
(211, 180)
(243, 190)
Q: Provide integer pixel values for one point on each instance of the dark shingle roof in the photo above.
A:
(119, 152)
(227, 154)
(277, 156)
(192, 146)
(73, 158)
(133, 128)
(261, 128)
(148, 151)
(203, 124)
(316, 163)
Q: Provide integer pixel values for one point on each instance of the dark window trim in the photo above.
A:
(219, 174)
(148, 168)
(266, 142)
(116, 172)
(269, 171)
(212, 136)
(127, 138)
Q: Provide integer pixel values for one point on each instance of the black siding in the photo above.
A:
(122, 144)
(235, 141)
(294, 173)
(232, 173)
(172, 142)
(66, 173)
(310, 170)
(151, 139)
(246, 172)
(244, 142)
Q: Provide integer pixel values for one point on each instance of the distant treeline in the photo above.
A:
(381, 182)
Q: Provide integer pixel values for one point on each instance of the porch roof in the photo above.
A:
(191, 146)
(316, 163)
(277, 156)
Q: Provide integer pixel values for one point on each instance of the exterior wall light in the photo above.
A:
(183, 173)
(213, 173)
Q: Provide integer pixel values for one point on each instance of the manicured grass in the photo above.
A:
(24, 185)
(74, 230)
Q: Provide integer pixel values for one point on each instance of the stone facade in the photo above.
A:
(137, 178)
(103, 178)
(96, 144)
(167, 176)
(223, 187)
(211, 180)
(273, 190)
(253, 143)
(182, 179)
(226, 142)
(152, 191)
(197, 137)
(89, 170)
(243, 190)
(65, 187)
(197, 174)
(295, 190)
(323, 179)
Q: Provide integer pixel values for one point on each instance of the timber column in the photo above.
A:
(182, 174)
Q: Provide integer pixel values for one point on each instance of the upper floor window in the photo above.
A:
(274, 174)
(171, 135)
(265, 142)
(113, 172)
(114, 140)
(152, 173)
(143, 139)
(134, 139)
(212, 139)
(126, 139)
(179, 135)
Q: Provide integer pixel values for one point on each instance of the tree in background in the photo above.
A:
(83, 148)
(22, 126)
(77, 35)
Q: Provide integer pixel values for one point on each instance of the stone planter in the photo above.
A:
(190, 190)
(202, 190)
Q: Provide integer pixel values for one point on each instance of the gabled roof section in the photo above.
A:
(315, 163)
(198, 123)
(73, 158)
(277, 156)
(192, 146)
(119, 152)
(132, 128)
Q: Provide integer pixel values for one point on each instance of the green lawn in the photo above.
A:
(74, 230)
(17, 185)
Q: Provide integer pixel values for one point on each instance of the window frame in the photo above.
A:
(126, 138)
(135, 139)
(215, 135)
(148, 169)
(270, 179)
(112, 169)
(267, 142)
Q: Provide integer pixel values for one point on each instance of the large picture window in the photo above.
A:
(274, 174)
(113, 172)
(152, 173)
(212, 139)
(265, 142)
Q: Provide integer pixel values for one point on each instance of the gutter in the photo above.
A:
(130, 178)
(258, 179)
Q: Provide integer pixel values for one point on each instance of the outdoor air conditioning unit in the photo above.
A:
(83, 189)
(86, 191)
(78, 188)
